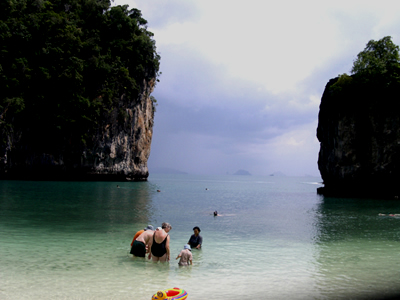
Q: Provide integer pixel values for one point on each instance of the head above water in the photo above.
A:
(196, 227)
(149, 227)
(187, 247)
(166, 226)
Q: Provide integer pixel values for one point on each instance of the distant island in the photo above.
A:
(242, 172)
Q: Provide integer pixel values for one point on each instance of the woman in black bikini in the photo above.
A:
(159, 250)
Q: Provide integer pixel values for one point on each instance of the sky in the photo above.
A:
(242, 81)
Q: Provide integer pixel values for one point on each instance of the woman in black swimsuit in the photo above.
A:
(160, 247)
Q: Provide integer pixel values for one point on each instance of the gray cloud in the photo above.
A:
(218, 112)
(206, 116)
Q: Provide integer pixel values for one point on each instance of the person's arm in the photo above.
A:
(200, 242)
(190, 240)
(149, 244)
(167, 247)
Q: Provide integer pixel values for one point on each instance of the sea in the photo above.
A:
(274, 238)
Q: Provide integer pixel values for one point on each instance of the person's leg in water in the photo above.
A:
(161, 259)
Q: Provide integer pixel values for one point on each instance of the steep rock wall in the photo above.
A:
(359, 134)
(118, 151)
(123, 143)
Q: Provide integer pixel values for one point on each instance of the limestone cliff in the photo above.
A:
(359, 134)
(75, 91)
(122, 145)
(118, 151)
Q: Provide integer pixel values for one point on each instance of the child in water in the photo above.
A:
(186, 257)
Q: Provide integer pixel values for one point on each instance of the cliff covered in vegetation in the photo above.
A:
(359, 127)
(75, 80)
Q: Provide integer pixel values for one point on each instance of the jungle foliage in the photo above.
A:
(376, 70)
(378, 57)
(64, 62)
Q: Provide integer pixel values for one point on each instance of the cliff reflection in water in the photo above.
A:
(75, 205)
(358, 251)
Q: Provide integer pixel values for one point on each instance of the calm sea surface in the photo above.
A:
(276, 239)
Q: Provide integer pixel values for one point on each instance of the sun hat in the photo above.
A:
(149, 227)
(187, 247)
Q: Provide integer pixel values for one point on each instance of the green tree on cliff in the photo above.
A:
(375, 72)
(378, 57)
(64, 62)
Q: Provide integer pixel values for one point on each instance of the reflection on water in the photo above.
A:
(70, 205)
(358, 250)
(356, 218)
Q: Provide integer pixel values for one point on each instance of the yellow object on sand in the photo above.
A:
(170, 294)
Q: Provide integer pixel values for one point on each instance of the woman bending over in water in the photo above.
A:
(159, 250)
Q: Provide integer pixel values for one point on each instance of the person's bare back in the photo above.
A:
(146, 238)
(160, 236)
(159, 251)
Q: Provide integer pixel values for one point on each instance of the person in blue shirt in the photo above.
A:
(196, 240)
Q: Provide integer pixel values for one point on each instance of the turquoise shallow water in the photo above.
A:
(276, 239)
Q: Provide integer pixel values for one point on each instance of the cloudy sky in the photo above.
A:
(242, 81)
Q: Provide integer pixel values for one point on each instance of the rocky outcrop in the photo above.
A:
(123, 143)
(359, 134)
(118, 151)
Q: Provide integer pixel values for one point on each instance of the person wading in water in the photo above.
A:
(196, 239)
(159, 250)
